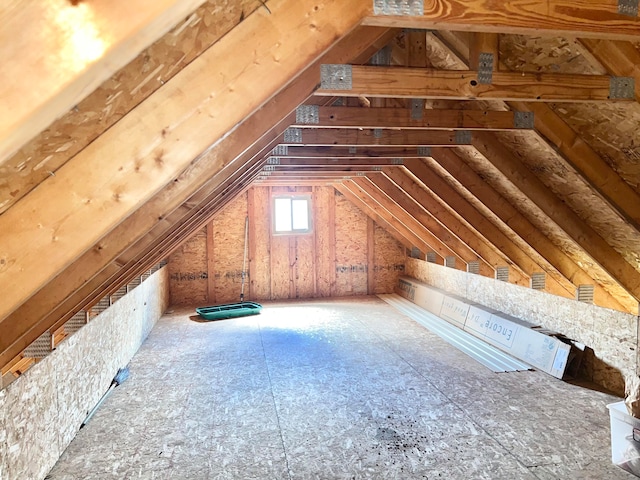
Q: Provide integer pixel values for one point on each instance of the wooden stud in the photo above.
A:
(371, 256)
(211, 265)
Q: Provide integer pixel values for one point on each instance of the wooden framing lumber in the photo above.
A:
(95, 270)
(150, 146)
(415, 210)
(352, 152)
(588, 19)
(361, 117)
(487, 251)
(74, 46)
(326, 137)
(453, 165)
(376, 195)
(382, 212)
(398, 82)
(558, 212)
(449, 196)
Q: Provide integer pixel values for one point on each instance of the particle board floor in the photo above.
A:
(339, 389)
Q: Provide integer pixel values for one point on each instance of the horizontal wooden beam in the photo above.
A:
(399, 82)
(324, 137)
(282, 162)
(61, 50)
(406, 118)
(592, 19)
(354, 151)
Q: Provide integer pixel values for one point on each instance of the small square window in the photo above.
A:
(291, 214)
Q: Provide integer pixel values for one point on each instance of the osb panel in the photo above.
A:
(228, 250)
(546, 54)
(188, 271)
(611, 129)
(566, 184)
(389, 258)
(535, 216)
(45, 407)
(261, 228)
(304, 266)
(610, 334)
(351, 249)
(323, 224)
(4, 453)
(117, 96)
(280, 267)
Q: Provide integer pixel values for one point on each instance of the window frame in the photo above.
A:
(292, 196)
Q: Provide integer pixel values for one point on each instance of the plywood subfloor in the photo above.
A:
(339, 389)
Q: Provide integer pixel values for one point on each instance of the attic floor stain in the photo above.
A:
(333, 389)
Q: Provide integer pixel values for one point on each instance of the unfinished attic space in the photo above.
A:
(416, 224)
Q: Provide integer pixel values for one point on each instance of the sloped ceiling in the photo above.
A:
(436, 153)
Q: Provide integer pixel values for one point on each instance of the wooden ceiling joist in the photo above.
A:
(346, 137)
(408, 118)
(590, 19)
(157, 140)
(74, 46)
(351, 152)
(399, 82)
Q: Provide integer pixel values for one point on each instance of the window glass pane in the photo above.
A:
(283, 214)
(300, 212)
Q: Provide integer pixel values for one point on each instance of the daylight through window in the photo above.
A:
(291, 214)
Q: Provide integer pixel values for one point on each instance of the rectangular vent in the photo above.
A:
(415, 252)
(431, 257)
(76, 322)
(584, 293)
(134, 283)
(473, 267)
(41, 347)
(450, 262)
(502, 274)
(538, 280)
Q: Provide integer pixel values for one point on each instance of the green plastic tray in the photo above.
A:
(229, 310)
